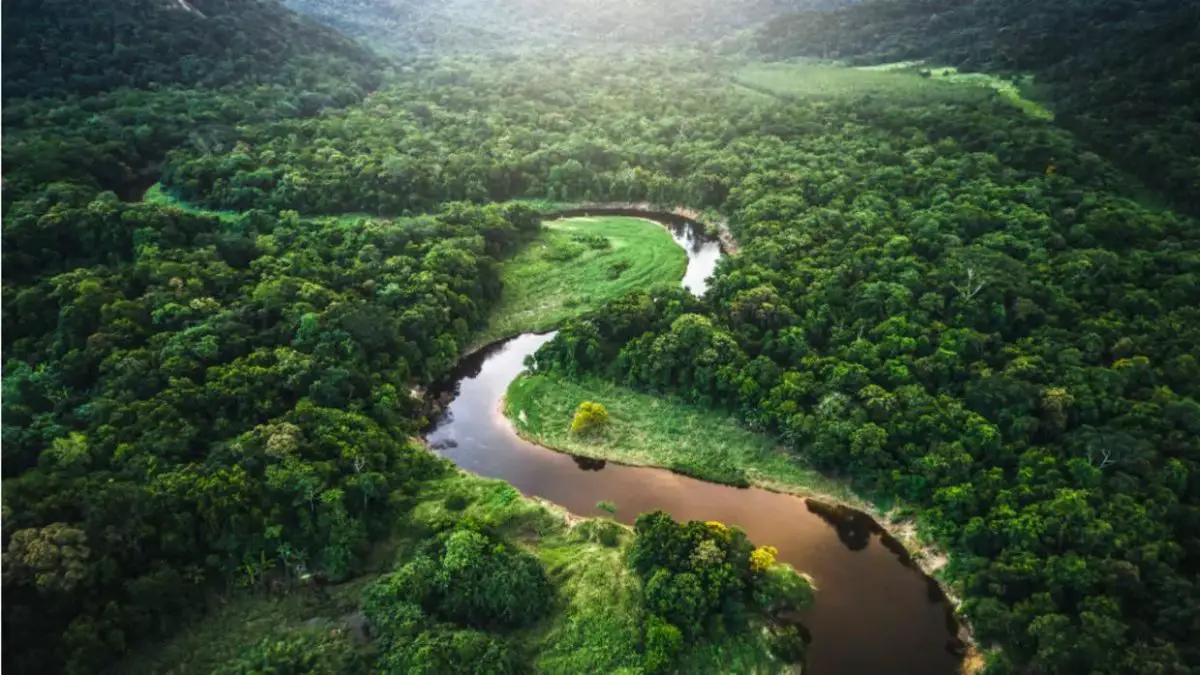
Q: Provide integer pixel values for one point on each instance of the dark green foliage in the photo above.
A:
(699, 581)
(940, 299)
(463, 579)
(445, 650)
(83, 47)
(232, 419)
(617, 269)
(467, 578)
(594, 241)
(920, 305)
(787, 644)
(1123, 74)
(484, 583)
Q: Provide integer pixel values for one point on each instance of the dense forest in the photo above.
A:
(1125, 75)
(938, 298)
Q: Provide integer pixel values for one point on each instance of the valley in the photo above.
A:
(278, 412)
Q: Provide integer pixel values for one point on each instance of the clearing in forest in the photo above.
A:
(823, 80)
(648, 430)
(577, 264)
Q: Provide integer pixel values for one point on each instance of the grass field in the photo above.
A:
(595, 626)
(1007, 89)
(819, 80)
(652, 431)
(557, 276)
(901, 81)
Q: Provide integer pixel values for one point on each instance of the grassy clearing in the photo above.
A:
(901, 81)
(1008, 90)
(651, 431)
(557, 276)
(595, 626)
(820, 80)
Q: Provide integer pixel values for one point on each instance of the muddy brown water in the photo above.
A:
(875, 612)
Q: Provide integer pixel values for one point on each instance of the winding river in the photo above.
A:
(875, 611)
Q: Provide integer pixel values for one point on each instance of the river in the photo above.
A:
(875, 612)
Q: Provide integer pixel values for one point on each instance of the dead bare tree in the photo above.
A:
(972, 286)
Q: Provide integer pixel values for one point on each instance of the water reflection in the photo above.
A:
(588, 463)
(853, 528)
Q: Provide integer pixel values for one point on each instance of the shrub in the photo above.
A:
(563, 251)
(618, 268)
(589, 415)
(781, 588)
(592, 241)
(390, 602)
(602, 531)
(456, 502)
(484, 583)
(663, 642)
(443, 650)
(316, 652)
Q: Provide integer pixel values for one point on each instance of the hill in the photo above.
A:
(401, 27)
(1124, 75)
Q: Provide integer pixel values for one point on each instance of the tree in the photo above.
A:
(54, 558)
(589, 416)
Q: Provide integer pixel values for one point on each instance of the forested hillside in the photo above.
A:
(1124, 74)
(938, 298)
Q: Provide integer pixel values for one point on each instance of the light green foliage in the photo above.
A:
(557, 277)
(1005, 87)
(814, 81)
(589, 417)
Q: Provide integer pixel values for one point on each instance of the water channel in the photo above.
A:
(875, 612)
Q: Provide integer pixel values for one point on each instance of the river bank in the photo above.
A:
(868, 587)
(649, 431)
(713, 226)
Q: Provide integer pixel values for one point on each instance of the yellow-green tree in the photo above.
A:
(589, 415)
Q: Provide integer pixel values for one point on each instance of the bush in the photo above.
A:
(483, 583)
(451, 651)
(393, 604)
(602, 531)
(563, 251)
(781, 588)
(589, 415)
(317, 652)
(592, 241)
(663, 642)
(618, 268)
